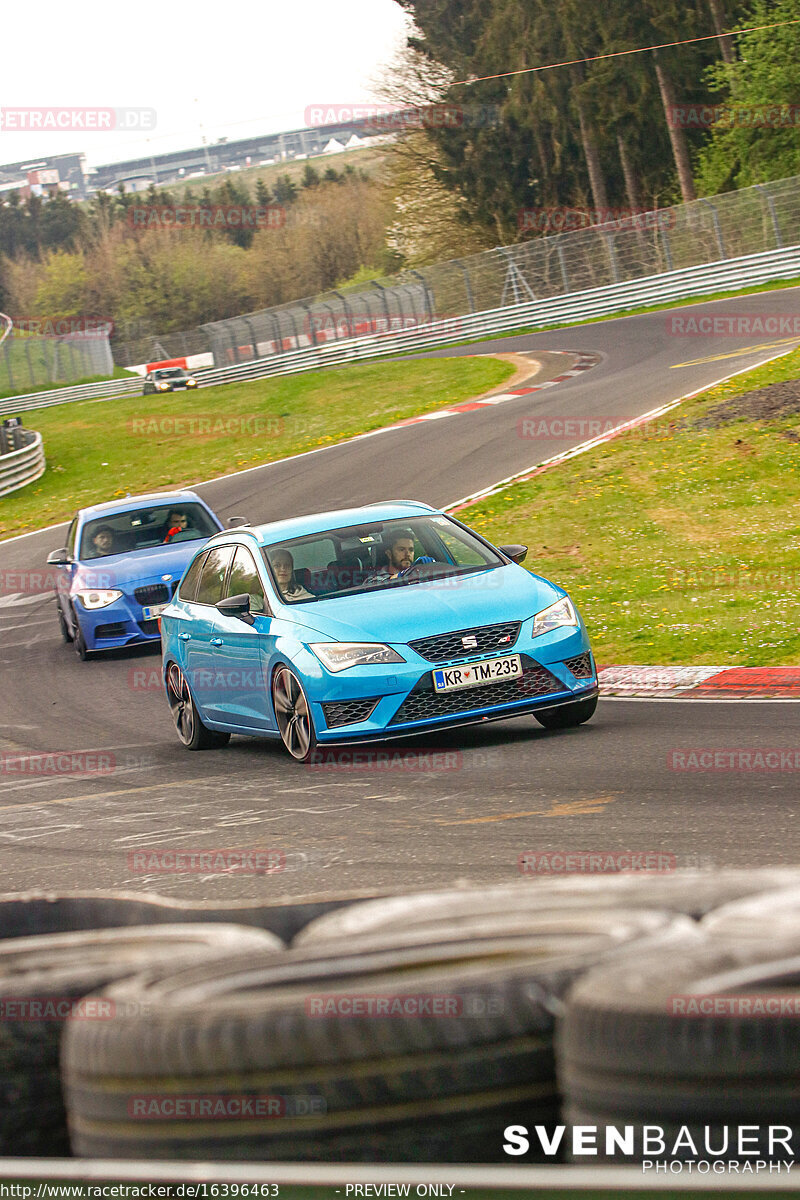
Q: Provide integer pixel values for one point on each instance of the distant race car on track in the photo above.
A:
(121, 566)
(367, 624)
(168, 379)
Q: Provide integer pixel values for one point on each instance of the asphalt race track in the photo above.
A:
(464, 805)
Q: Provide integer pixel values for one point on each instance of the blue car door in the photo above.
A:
(196, 634)
(241, 653)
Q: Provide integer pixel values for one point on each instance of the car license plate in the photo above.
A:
(493, 670)
(152, 610)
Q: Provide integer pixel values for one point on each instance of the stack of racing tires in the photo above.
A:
(412, 1028)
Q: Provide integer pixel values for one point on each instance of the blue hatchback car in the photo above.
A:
(366, 624)
(121, 566)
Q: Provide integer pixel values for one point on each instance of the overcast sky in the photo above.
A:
(233, 69)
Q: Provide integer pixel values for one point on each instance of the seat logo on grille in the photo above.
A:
(470, 642)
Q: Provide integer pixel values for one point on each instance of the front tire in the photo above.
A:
(567, 716)
(79, 642)
(293, 714)
(189, 727)
(62, 621)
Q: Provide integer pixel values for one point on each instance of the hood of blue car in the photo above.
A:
(401, 614)
(122, 570)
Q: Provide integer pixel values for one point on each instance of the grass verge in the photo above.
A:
(679, 542)
(97, 450)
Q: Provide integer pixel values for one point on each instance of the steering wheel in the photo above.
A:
(171, 534)
(423, 558)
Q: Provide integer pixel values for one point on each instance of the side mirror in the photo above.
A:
(59, 558)
(236, 522)
(237, 606)
(517, 554)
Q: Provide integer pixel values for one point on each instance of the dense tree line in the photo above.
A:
(604, 133)
(593, 134)
(61, 259)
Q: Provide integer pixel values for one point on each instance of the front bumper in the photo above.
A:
(364, 704)
(119, 624)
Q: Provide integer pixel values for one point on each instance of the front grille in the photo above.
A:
(150, 627)
(154, 593)
(581, 666)
(445, 647)
(348, 712)
(423, 703)
(116, 630)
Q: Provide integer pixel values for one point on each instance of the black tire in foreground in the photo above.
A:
(701, 1036)
(404, 1050)
(45, 980)
(26, 914)
(691, 892)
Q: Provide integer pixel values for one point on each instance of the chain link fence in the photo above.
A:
(634, 246)
(30, 359)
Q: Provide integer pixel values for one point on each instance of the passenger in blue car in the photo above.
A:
(283, 566)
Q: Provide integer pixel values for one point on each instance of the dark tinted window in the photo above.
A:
(244, 578)
(189, 585)
(212, 576)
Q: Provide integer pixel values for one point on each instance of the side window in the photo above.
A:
(189, 584)
(212, 575)
(244, 578)
(73, 529)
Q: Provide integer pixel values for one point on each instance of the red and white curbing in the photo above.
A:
(702, 683)
(583, 363)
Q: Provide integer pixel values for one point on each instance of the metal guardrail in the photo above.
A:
(725, 275)
(576, 254)
(22, 466)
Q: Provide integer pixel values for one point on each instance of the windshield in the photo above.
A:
(375, 556)
(169, 373)
(143, 528)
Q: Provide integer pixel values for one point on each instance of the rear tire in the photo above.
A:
(568, 715)
(189, 727)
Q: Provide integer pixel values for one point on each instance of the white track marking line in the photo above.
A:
(565, 455)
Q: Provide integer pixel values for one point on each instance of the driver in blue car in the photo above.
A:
(399, 556)
(177, 522)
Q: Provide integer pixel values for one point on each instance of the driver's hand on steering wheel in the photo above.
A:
(171, 534)
(423, 558)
